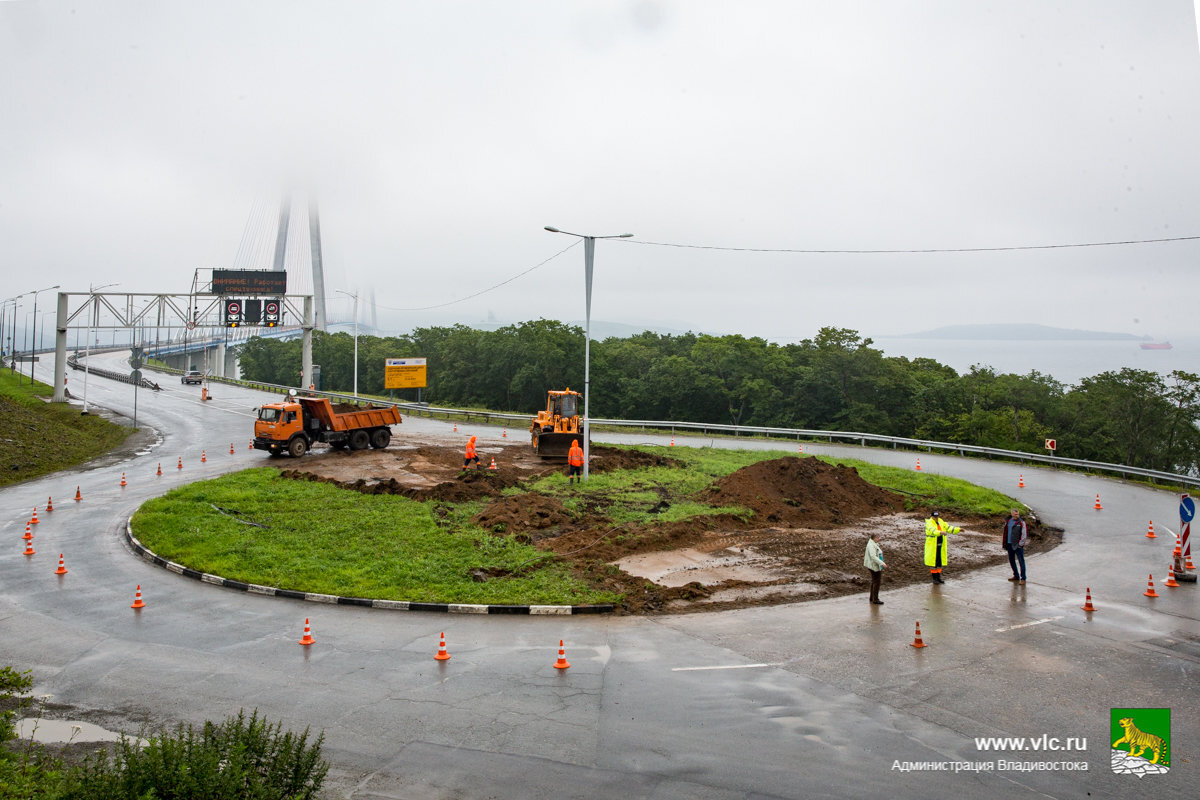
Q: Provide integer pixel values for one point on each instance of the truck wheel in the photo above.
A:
(359, 440)
(297, 447)
(380, 438)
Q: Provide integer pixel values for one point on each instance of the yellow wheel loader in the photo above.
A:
(552, 431)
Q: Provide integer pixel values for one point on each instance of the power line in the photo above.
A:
(920, 250)
(490, 288)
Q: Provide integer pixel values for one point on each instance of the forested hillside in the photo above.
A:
(834, 381)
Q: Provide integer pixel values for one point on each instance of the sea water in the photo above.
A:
(1066, 361)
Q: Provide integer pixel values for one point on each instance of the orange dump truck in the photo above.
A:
(293, 426)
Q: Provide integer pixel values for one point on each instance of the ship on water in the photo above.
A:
(1155, 345)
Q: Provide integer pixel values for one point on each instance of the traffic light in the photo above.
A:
(233, 313)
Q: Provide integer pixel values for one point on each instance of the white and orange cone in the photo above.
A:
(62, 567)
(308, 639)
(562, 657)
(137, 598)
(1087, 604)
(1150, 531)
(917, 640)
(1150, 587)
(442, 655)
(1170, 581)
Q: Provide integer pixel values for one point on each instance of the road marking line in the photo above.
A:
(1027, 624)
(727, 666)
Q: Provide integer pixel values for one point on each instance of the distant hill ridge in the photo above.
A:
(1017, 332)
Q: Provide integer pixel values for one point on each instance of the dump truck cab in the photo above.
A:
(552, 430)
(278, 425)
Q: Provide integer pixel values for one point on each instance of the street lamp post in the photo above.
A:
(589, 251)
(355, 296)
(35, 294)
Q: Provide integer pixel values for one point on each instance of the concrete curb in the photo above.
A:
(391, 605)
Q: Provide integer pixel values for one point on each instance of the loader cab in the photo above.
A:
(565, 405)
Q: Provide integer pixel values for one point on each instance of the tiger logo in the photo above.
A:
(1139, 741)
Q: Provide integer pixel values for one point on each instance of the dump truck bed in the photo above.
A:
(369, 417)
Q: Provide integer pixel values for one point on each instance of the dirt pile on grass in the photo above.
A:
(802, 492)
(523, 513)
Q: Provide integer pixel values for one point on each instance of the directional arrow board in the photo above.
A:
(1187, 509)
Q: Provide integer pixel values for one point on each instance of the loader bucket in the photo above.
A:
(554, 445)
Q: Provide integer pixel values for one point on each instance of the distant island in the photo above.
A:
(1002, 331)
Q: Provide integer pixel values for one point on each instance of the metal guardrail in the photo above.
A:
(145, 383)
(864, 439)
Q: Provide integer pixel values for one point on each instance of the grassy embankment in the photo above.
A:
(256, 527)
(40, 437)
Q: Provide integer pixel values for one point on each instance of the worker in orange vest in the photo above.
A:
(471, 455)
(575, 462)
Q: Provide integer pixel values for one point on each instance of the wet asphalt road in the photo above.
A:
(805, 700)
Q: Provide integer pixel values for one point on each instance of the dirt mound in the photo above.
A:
(604, 459)
(802, 492)
(523, 512)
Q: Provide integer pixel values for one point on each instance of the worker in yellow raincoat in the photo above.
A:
(935, 544)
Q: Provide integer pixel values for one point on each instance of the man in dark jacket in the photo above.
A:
(1015, 533)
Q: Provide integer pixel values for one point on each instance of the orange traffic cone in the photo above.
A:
(456, 427)
(1171, 582)
(916, 642)
(1021, 481)
(137, 598)
(180, 466)
(28, 533)
(493, 464)
(251, 445)
(49, 504)
(29, 548)
(562, 657)
(442, 655)
(34, 520)
(231, 448)
(159, 468)
(918, 465)
(672, 440)
(504, 433)
(308, 639)
(1087, 604)
(1150, 531)
(62, 569)
(122, 478)
(1097, 506)
(1188, 561)
(1150, 588)
(203, 456)
(78, 496)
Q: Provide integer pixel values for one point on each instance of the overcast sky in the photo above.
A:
(140, 141)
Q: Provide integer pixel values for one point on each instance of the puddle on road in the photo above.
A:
(63, 731)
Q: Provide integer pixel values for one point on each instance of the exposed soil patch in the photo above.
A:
(804, 538)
